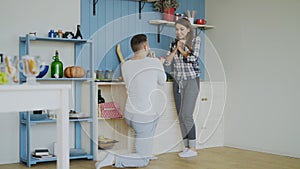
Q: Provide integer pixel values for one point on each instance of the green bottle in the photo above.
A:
(56, 67)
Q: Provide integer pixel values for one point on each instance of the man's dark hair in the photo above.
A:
(136, 42)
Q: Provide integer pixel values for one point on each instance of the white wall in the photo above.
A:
(258, 42)
(18, 18)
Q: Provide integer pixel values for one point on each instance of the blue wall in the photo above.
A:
(117, 20)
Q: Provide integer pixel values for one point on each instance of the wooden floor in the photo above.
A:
(211, 158)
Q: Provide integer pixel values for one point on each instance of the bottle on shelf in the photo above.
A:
(51, 33)
(100, 98)
(3, 74)
(78, 33)
(56, 66)
(2, 65)
(60, 33)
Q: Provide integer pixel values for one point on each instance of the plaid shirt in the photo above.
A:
(186, 68)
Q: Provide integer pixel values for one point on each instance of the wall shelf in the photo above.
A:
(168, 23)
(161, 23)
(33, 38)
(64, 79)
(110, 83)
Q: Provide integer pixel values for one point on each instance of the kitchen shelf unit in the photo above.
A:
(115, 128)
(26, 123)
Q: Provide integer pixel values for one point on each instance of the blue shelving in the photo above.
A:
(33, 38)
(34, 160)
(32, 122)
(64, 79)
(25, 120)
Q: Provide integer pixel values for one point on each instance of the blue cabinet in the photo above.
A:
(27, 120)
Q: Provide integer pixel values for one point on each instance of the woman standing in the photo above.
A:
(184, 56)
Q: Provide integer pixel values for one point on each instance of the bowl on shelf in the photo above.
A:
(105, 143)
(43, 72)
(200, 21)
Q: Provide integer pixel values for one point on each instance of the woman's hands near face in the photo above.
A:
(180, 44)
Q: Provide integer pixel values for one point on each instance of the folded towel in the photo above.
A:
(36, 117)
(77, 152)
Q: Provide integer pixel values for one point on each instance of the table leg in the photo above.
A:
(62, 126)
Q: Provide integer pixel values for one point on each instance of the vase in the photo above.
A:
(169, 14)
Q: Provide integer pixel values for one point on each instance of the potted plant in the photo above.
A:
(167, 7)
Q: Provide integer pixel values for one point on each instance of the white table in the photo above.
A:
(17, 98)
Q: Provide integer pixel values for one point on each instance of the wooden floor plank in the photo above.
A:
(210, 158)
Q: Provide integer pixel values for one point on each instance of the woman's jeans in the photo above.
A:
(185, 104)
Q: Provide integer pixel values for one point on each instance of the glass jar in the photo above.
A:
(99, 74)
(108, 74)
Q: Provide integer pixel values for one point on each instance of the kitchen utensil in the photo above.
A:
(31, 68)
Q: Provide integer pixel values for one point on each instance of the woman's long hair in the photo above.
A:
(190, 35)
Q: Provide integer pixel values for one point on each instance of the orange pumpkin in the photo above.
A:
(74, 72)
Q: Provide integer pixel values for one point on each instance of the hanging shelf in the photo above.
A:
(161, 23)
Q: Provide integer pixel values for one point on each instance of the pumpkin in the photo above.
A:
(74, 72)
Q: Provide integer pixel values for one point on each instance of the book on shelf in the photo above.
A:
(41, 152)
(43, 156)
